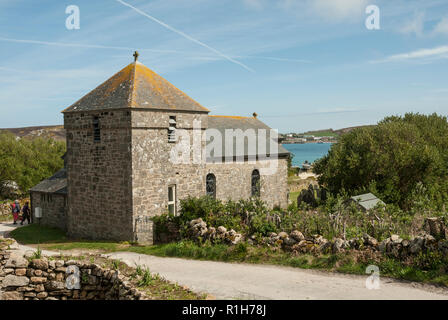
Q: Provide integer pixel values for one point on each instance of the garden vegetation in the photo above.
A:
(28, 161)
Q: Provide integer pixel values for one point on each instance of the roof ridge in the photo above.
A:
(233, 117)
(131, 85)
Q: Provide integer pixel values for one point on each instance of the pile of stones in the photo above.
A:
(197, 229)
(433, 238)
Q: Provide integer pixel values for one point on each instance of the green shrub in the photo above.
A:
(396, 157)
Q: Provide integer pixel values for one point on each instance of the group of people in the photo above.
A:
(26, 212)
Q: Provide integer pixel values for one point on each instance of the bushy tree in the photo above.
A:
(28, 161)
(392, 158)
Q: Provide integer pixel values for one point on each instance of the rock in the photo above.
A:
(11, 295)
(39, 288)
(59, 263)
(354, 243)
(337, 245)
(42, 295)
(40, 264)
(395, 238)
(272, 235)
(196, 221)
(222, 229)
(283, 235)
(16, 260)
(369, 240)
(324, 247)
(15, 281)
(289, 241)
(21, 272)
(37, 280)
(416, 245)
(435, 227)
(8, 271)
(297, 235)
(319, 240)
(54, 285)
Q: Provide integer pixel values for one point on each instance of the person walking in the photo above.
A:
(15, 207)
(26, 213)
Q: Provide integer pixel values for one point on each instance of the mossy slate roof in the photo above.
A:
(55, 184)
(136, 86)
(222, 123)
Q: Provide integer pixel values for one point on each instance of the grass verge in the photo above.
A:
(348, 262)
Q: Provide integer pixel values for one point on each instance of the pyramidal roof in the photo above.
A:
(136, 86)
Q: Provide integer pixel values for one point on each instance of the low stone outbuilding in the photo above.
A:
(51, 196)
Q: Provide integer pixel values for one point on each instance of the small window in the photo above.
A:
(96, 129)
(172, 129)
(172, 200)
(210, 185)
(255, 183)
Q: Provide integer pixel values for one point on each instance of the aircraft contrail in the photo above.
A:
(186, 36)
(80, 45)
(94, 46)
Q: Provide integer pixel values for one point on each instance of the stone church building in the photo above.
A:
(118, 172)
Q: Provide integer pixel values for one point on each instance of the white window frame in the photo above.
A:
(172, 202)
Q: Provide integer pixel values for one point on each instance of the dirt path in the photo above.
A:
(248, 281)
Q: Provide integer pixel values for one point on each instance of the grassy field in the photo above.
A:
(347, 262)
(323, 133)
(293, 196)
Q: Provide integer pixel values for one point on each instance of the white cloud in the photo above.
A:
(441, 27)
(256, 4)
(340, 9)
(433, 53)
(414, 26)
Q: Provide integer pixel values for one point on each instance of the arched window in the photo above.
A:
(255, 183)
(210, 185)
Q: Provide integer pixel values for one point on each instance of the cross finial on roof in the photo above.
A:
(135, 56)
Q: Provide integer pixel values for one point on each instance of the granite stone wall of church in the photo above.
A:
(233, 181)
(153, 170)
(99, 175)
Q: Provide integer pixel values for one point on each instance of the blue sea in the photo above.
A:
(307, 151)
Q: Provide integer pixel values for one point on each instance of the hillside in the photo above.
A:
(58, 132)
(55, 132)
(331, 132)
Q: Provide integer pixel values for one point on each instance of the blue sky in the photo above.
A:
(300, 64)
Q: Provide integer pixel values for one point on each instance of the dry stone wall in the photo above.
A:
(22, 278)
